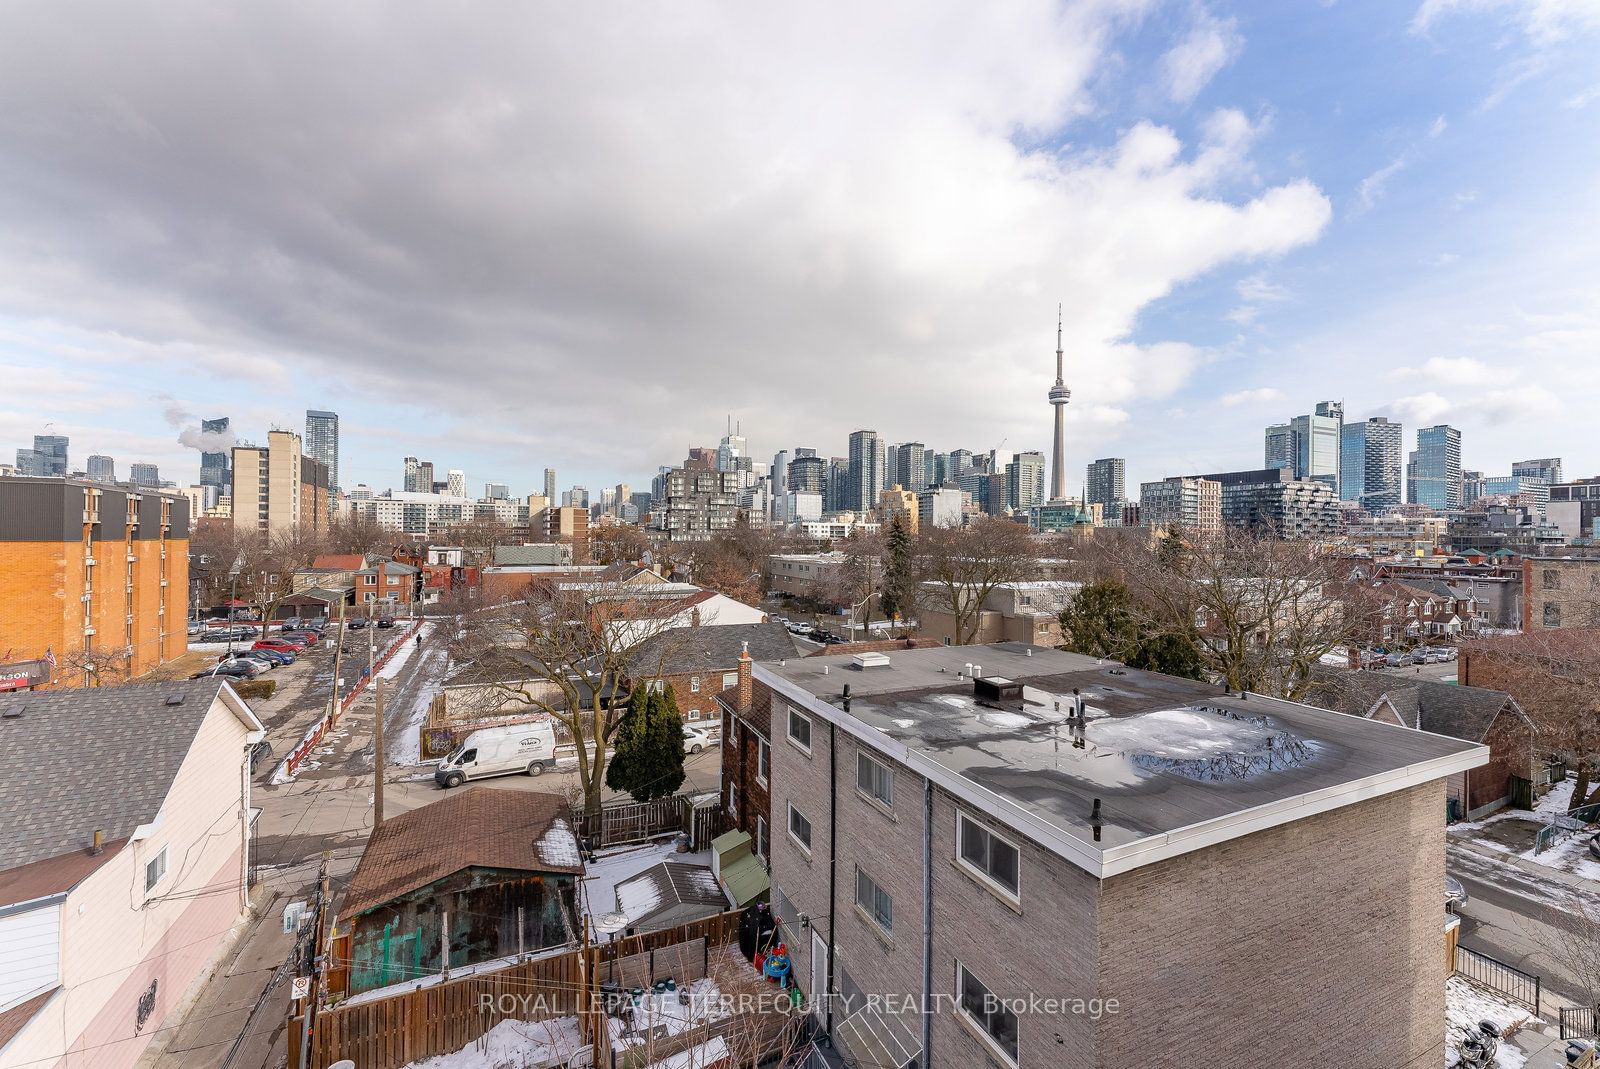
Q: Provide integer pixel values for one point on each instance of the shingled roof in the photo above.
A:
(711, 648)
(1428, 705)
(479, 827)
(98, 759)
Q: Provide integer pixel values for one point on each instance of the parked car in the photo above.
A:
(261, 751)
(386, 621)
(281, 647)
(234, 667)
(357, 623)
(498, 751)
(278, 657)
(300, 638)
(223, 634)
(258, 658)
(697, 737)
(1397, 660)
(196, 627)
(1454, 893)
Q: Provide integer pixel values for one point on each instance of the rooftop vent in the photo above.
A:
(996, 689)
(174, 699)
(870, 660)
(12, 712)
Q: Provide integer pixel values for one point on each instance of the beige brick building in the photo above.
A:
(93, 576)
(1174, 878)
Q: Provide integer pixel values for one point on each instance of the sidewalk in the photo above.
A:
(1532, 868)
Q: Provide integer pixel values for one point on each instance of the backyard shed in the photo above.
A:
(669, 894)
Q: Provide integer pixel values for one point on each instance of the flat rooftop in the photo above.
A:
(1176, 764)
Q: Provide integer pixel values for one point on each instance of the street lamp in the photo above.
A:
(858, 605)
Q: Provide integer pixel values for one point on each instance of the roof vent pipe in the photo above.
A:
(977, 670)
(99, 842)
(847, 697)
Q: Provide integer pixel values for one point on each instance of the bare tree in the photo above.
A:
(97, 666)
(1266, 610)
(736, 562)
(358, 533)
(580, 645)
(962, 566)
(478, 537)
(617, 543)
(1555, 677)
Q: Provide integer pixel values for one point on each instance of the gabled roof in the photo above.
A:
(1460, 712)
(711, 648)
(668, 884)
(478, 827)
(97, 759)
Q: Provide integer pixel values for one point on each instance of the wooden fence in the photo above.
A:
(391, 1032)
(632, 822)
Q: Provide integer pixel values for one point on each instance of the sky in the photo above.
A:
(510, 236)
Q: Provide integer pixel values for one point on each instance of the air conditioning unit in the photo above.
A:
(294, 915)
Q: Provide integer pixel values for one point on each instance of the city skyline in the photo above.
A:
(1227, 235)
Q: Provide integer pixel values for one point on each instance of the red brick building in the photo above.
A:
(701, 664)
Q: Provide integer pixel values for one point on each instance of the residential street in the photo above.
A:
(238, 1020)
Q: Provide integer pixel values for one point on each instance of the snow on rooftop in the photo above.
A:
(613, 866)
(558, 846)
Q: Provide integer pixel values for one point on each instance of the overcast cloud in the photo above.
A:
(571, 230)
(531, 234)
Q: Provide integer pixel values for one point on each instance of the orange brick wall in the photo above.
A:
(41, 607)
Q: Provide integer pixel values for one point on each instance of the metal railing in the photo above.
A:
(1564, 824)
(1580, 1022)
(1520, 987)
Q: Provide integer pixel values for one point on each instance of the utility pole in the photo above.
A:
(338, 658)
(377, 761)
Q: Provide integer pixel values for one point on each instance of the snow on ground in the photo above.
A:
(699, 1057)
(1465, 1004)
(406, 747)
(403, 654)
(519, 1044)
(613, 866)
(1570, 853)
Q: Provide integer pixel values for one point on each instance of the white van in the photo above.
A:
(499, 751)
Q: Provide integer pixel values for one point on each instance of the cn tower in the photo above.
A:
(1059, 396)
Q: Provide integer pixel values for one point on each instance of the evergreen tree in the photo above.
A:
(648, 762)
(1102, 621)
(899, 571)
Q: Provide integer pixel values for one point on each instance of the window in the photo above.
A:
(694, 684)
(733, 801)
(987, 855)
(985, 1012)
(1552, 579)
(874, 780)
(1552, 614)
(694, 714)
(154, 869)
(763, 761)
(761, 837)
(874, 901)
(730, 679)
(799, 828)
(800, 729)
(469, 757)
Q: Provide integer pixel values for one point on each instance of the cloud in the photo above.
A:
(1544, 21)
(1454, 371)
(1583, 98)
(524, 236)
(1372, 187)
(1260, 395)
(1423, 409)
(1210, 45)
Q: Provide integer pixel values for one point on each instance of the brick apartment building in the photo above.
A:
(89, 569)
(950, 834)
(1560, 592)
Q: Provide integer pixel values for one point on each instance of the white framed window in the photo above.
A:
(874, 901)
(799, 828)
(763, 761)
(873, 780)
(989, 1018)
(800, 729)
(733, 801)
(694, 714)
(730, 679)
(761, 837)
(694, 684)
(154, 869)
(992, 858)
